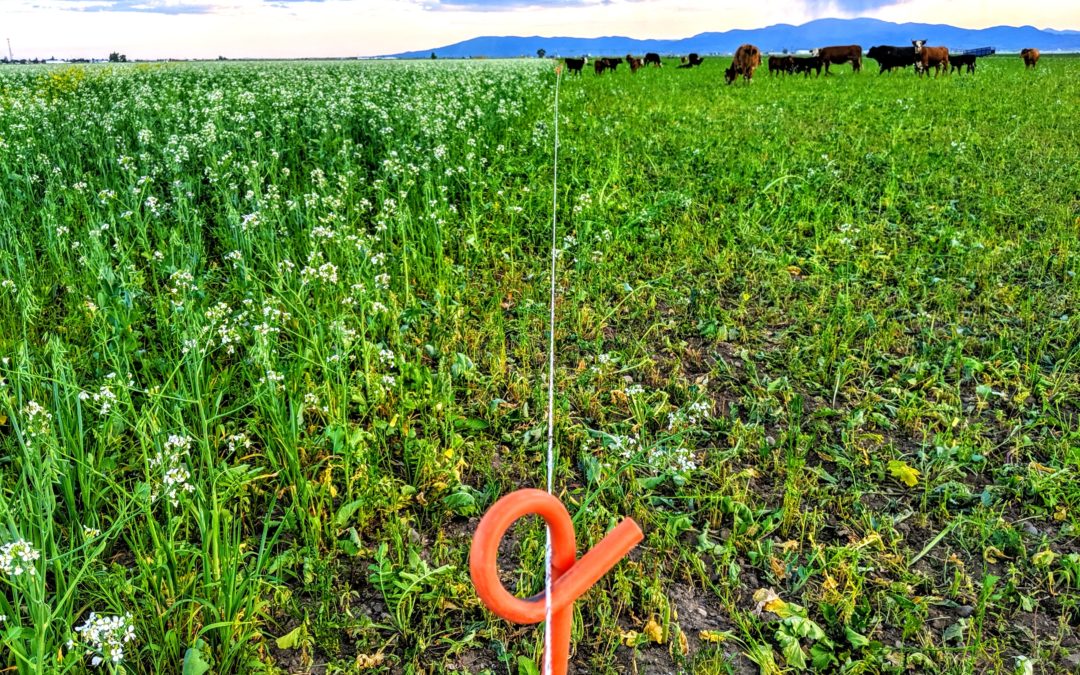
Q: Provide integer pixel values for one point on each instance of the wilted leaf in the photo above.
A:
(907, 475)
(365, 661)
(993, 554)
(792, 650)
(955, 631)
(291, 640)
(857, 641)
(715, 636)
(1025, 666)
(346, 512)
(629, 638)
(653, 631)
(1043, 558)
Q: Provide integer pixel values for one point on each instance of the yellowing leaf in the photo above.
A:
(714, 636)
(684, 646)
(1043, 558)
(777, 568)
(1060, 513)
(993, 554)
(629, 638)
(907, 475)
(291, 640)
(3, 420)
(365, 661)
(653, 631)
(768, 601)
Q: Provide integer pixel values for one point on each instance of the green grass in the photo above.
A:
(273, 338)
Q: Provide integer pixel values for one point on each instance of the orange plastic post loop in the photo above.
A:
(570, 577)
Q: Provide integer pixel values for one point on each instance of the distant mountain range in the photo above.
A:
(866, 32)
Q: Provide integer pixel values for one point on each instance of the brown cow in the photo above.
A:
(840, 55)
(781, 64)
(747, 57)
(1030, 56)
(606, 63)
(634, 63)
(927, 57)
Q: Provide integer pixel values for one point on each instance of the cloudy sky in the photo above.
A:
(303, 28)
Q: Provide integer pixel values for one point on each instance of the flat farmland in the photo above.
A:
(273, 337)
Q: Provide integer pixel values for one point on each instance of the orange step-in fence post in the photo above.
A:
(570, 577)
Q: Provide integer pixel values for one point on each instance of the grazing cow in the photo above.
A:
(962, 61)
(840, 55)
(747, 57)
(892, 57)
(1030, 56)
(575, 65)
(931, 57)
(606, 63)
(805, 64)
(654, 59)
(781, 64)
(634, 63)
(692, 60)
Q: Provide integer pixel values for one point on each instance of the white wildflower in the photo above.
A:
(105, 637)
(175, 477)
(18, 557)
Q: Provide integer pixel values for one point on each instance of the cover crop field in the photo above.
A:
(273, 337)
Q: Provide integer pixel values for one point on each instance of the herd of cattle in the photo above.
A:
(748, 58)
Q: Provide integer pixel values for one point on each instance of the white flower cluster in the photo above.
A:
(228, 327)
(237, 441)
(17, 558)
(181, 282)
(274, 378)
(104, 398)
(318, 270)
(105, 637)
(175, 477)
(693, 415)
(38, 422)
(250, 221)
(671, 460)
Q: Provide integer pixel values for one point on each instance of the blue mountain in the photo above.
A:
(865, 32)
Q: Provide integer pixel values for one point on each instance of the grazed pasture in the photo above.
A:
(272, 339)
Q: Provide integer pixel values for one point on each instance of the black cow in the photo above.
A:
(654, 59)
(691, 61)
(892, 57)
(805, 64)
(575, 65)
(962, 61)
(781, 64)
